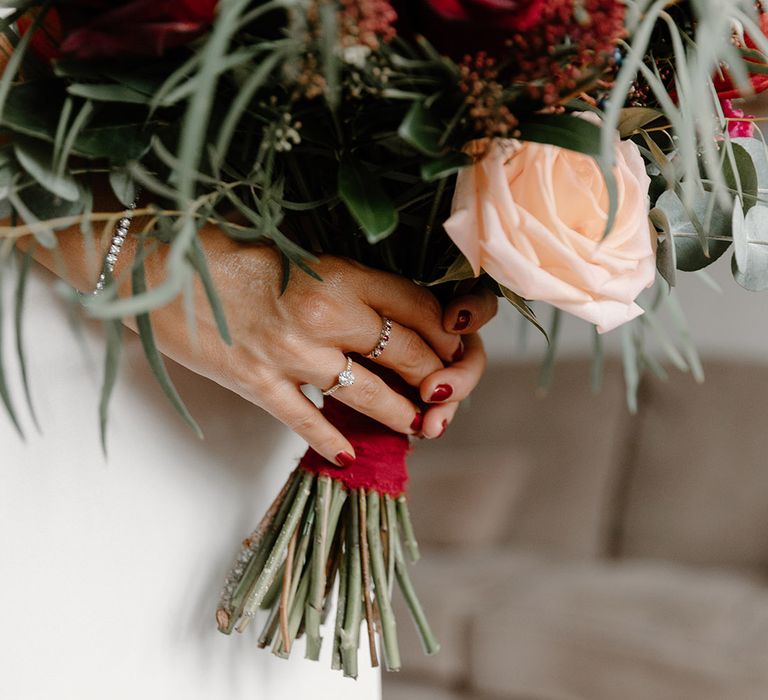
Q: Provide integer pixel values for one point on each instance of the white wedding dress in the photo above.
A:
(110, 570)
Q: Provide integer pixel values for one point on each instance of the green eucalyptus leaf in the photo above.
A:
(758, 151)
(123, 185)
(750, 248)
(36, 158)
(367, 200)
(689, 253)
(666, 255)
(421, 130)
(748, 179)
(444, 166)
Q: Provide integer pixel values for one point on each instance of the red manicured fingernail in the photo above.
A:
(441, 393)
(459, 352)
(463, 320)
(345, 459)
(445, 425)
(418, 421)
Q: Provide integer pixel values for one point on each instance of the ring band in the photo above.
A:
(384, 336)
(346, 378)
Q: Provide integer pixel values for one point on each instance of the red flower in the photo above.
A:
(726, 90)
(460, 27)
(88, 29)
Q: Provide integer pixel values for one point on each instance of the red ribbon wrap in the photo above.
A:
(380, 453)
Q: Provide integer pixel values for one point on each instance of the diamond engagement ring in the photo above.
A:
(384, 336)
(346, 378)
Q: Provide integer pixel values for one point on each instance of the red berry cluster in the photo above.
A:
(367, 22)
(573, 39)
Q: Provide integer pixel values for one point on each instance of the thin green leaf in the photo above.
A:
(597, 370)
(631, 366)
(546, 373)
(154, 358)
(108, 92)
(21, 286)
(522, 307)
(197, 258)
(114, 332)
(5, 392)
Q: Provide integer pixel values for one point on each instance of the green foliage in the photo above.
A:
(362, 192)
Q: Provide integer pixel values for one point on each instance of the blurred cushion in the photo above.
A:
(564, 450)
(698, 489)
(464, 496)
(630, 631)
(454, 590)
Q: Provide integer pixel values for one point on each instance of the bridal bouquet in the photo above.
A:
(572, 153)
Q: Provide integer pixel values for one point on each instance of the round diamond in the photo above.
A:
(346, 378)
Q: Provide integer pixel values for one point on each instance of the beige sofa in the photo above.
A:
(574, 552)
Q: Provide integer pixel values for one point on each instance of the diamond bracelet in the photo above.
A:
(116, 245)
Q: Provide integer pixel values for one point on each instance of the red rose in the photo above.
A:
(460, 27)
(724, 86)
(107, 29)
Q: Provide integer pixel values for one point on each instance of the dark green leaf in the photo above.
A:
(367, 201)
(108, 92)
(565, 131)
(444, 166)
(421, 130)
(154, 359)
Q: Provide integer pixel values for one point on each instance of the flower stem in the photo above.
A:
(285, 590)
(411, 545)
(341, 604)
(363, 508)
(264, 537)
(390, 512)
(350, 634)
(388, 624)
(428, 641)
(317, 572)
(267, 574)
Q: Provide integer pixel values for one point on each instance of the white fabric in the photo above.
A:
(110, 570)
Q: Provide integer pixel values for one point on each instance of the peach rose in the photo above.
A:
(533, 216)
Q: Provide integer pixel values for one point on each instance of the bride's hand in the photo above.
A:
(301, 336)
